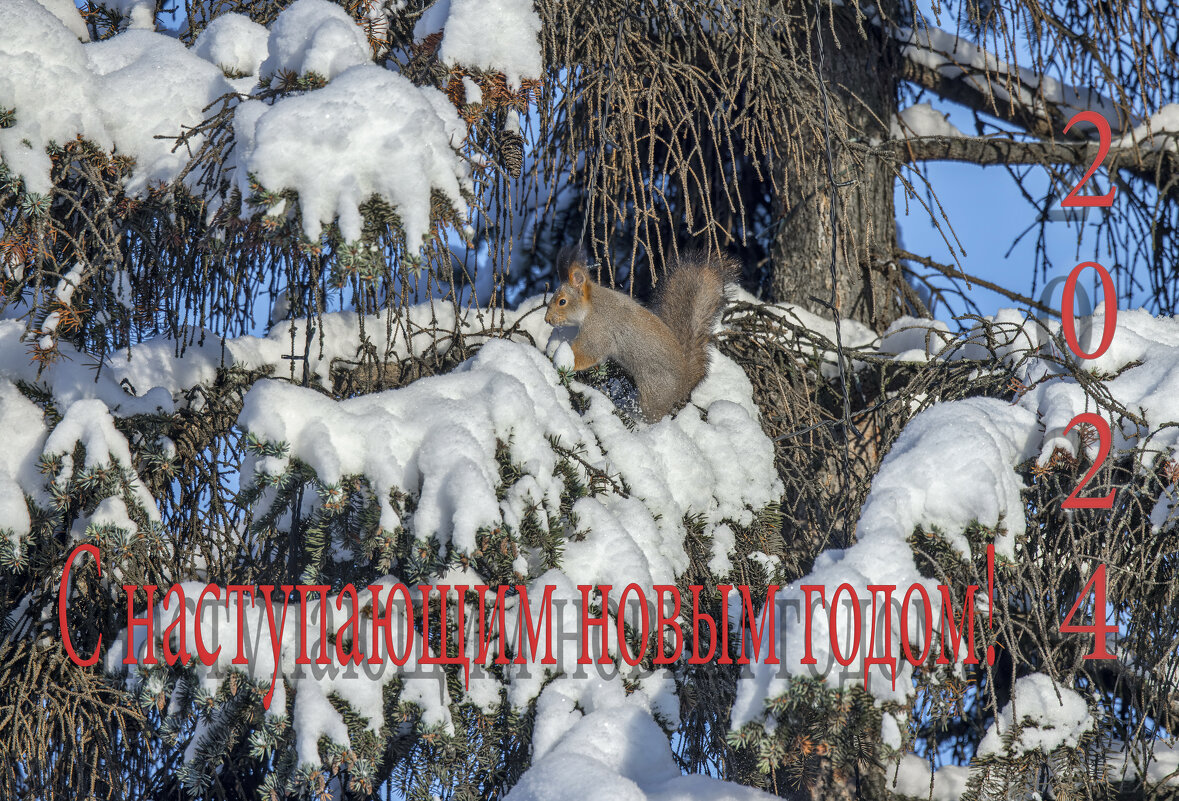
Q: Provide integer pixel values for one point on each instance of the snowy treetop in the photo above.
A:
(369, 132)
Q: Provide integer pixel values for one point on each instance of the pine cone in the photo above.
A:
(511, 152)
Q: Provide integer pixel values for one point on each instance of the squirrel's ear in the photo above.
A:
(577, 274)
(569, 261)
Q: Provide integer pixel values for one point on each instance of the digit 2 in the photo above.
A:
(1104, 438)
(1074, 198)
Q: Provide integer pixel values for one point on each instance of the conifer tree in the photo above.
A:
(271, 315)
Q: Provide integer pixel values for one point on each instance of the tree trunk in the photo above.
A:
(858, 66)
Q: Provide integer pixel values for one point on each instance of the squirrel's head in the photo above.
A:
(571, 302)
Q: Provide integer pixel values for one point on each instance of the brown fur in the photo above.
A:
(665, 352)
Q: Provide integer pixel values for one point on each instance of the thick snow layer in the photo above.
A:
(436, 436)
(151, 377)
(315, 36)
(922, 120)
(510, 392)
(951, 466)
(23, 430)
(954, 464)
(1049, 717)
(235, 43)
(610, 743)
(44, 77)
(1158, 132)
(493, 35)
(74, 378)
(369, 131)
(955, 57)
(152, 85)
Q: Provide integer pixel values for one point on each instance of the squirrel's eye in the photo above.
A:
(562, 302)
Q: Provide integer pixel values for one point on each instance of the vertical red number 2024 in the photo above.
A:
(1096, 582)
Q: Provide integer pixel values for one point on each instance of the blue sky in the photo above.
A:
(988, 213)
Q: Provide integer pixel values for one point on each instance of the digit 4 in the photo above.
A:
(1099, 627)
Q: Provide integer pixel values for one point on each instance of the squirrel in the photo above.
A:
(665, 352)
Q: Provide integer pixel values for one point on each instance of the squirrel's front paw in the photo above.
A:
(562, 355)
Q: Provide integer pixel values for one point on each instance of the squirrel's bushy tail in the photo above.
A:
(690, 298)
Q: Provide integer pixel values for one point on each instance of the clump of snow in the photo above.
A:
(913, 780)
(235, 43)
(45, 79)
(1049, 717)
(922, 120)
(471, 91)
(915, 339)
(1159, 132)
(315, 36)
(68, 285)
(110, 511)
(511, 45)
(612, 745)
(951, 466)
(88, 422)
(152, 85)
(67, 12)
(24, 436)
(123, 290)
(141, 14)
(369, 131)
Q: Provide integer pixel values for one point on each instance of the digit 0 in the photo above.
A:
(1074, 198)
(1104, 440)
(1069, 323)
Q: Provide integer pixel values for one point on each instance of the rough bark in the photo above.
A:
(858, 65)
